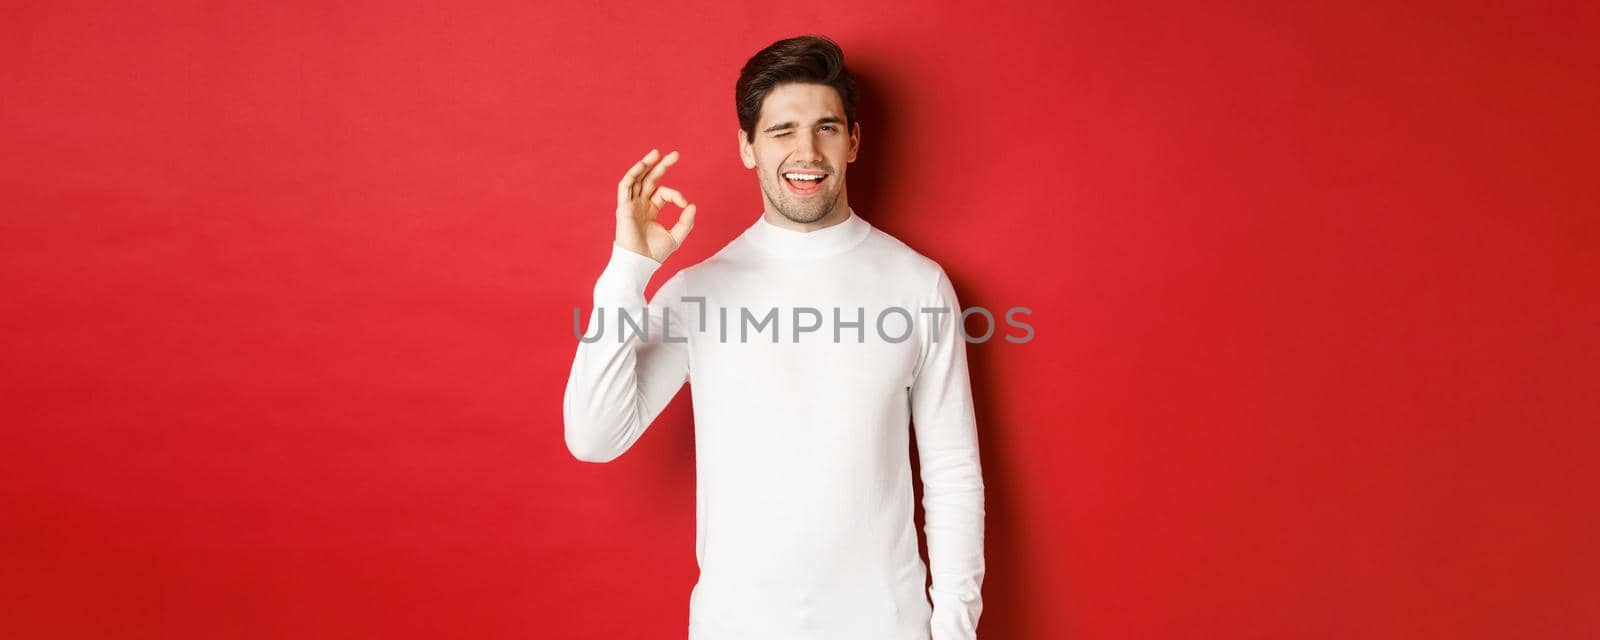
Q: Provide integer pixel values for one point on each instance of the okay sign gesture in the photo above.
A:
(639, 200)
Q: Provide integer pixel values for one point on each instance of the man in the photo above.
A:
(804, 507)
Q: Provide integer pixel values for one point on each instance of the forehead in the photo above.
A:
(800, 101)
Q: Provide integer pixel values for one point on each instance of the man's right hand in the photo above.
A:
(639, 201)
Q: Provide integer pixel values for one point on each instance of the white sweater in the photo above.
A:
(804, 503)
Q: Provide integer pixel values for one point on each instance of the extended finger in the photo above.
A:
(655, 174)
(628, 187)
(665, 193)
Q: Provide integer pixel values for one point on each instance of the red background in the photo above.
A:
(288, 297)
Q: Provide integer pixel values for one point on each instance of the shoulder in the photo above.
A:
(687, 278)
(894, 257)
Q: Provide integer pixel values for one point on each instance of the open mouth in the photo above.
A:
(804, 183)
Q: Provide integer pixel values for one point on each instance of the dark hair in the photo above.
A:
(809, 58)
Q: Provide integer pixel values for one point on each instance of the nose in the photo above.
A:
(806, 149)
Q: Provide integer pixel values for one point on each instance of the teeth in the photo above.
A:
(801, 176)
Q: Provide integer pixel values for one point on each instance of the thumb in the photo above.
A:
(680, 229)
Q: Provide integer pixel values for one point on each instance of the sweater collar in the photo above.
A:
(788, 243)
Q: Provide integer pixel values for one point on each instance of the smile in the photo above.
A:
(804, 183)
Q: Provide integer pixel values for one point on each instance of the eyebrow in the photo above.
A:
(787, 125)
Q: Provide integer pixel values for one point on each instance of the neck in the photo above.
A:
(791, 244)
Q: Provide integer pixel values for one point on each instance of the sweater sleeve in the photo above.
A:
(624, 378)
(952, 479)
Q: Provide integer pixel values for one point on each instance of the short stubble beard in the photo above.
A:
(813, 209)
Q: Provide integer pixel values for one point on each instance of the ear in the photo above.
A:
(855, 141)
(746, 153)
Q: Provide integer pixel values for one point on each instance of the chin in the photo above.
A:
(803, 216)
(800, 212)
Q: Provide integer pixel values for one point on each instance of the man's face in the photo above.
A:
(801, 130)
